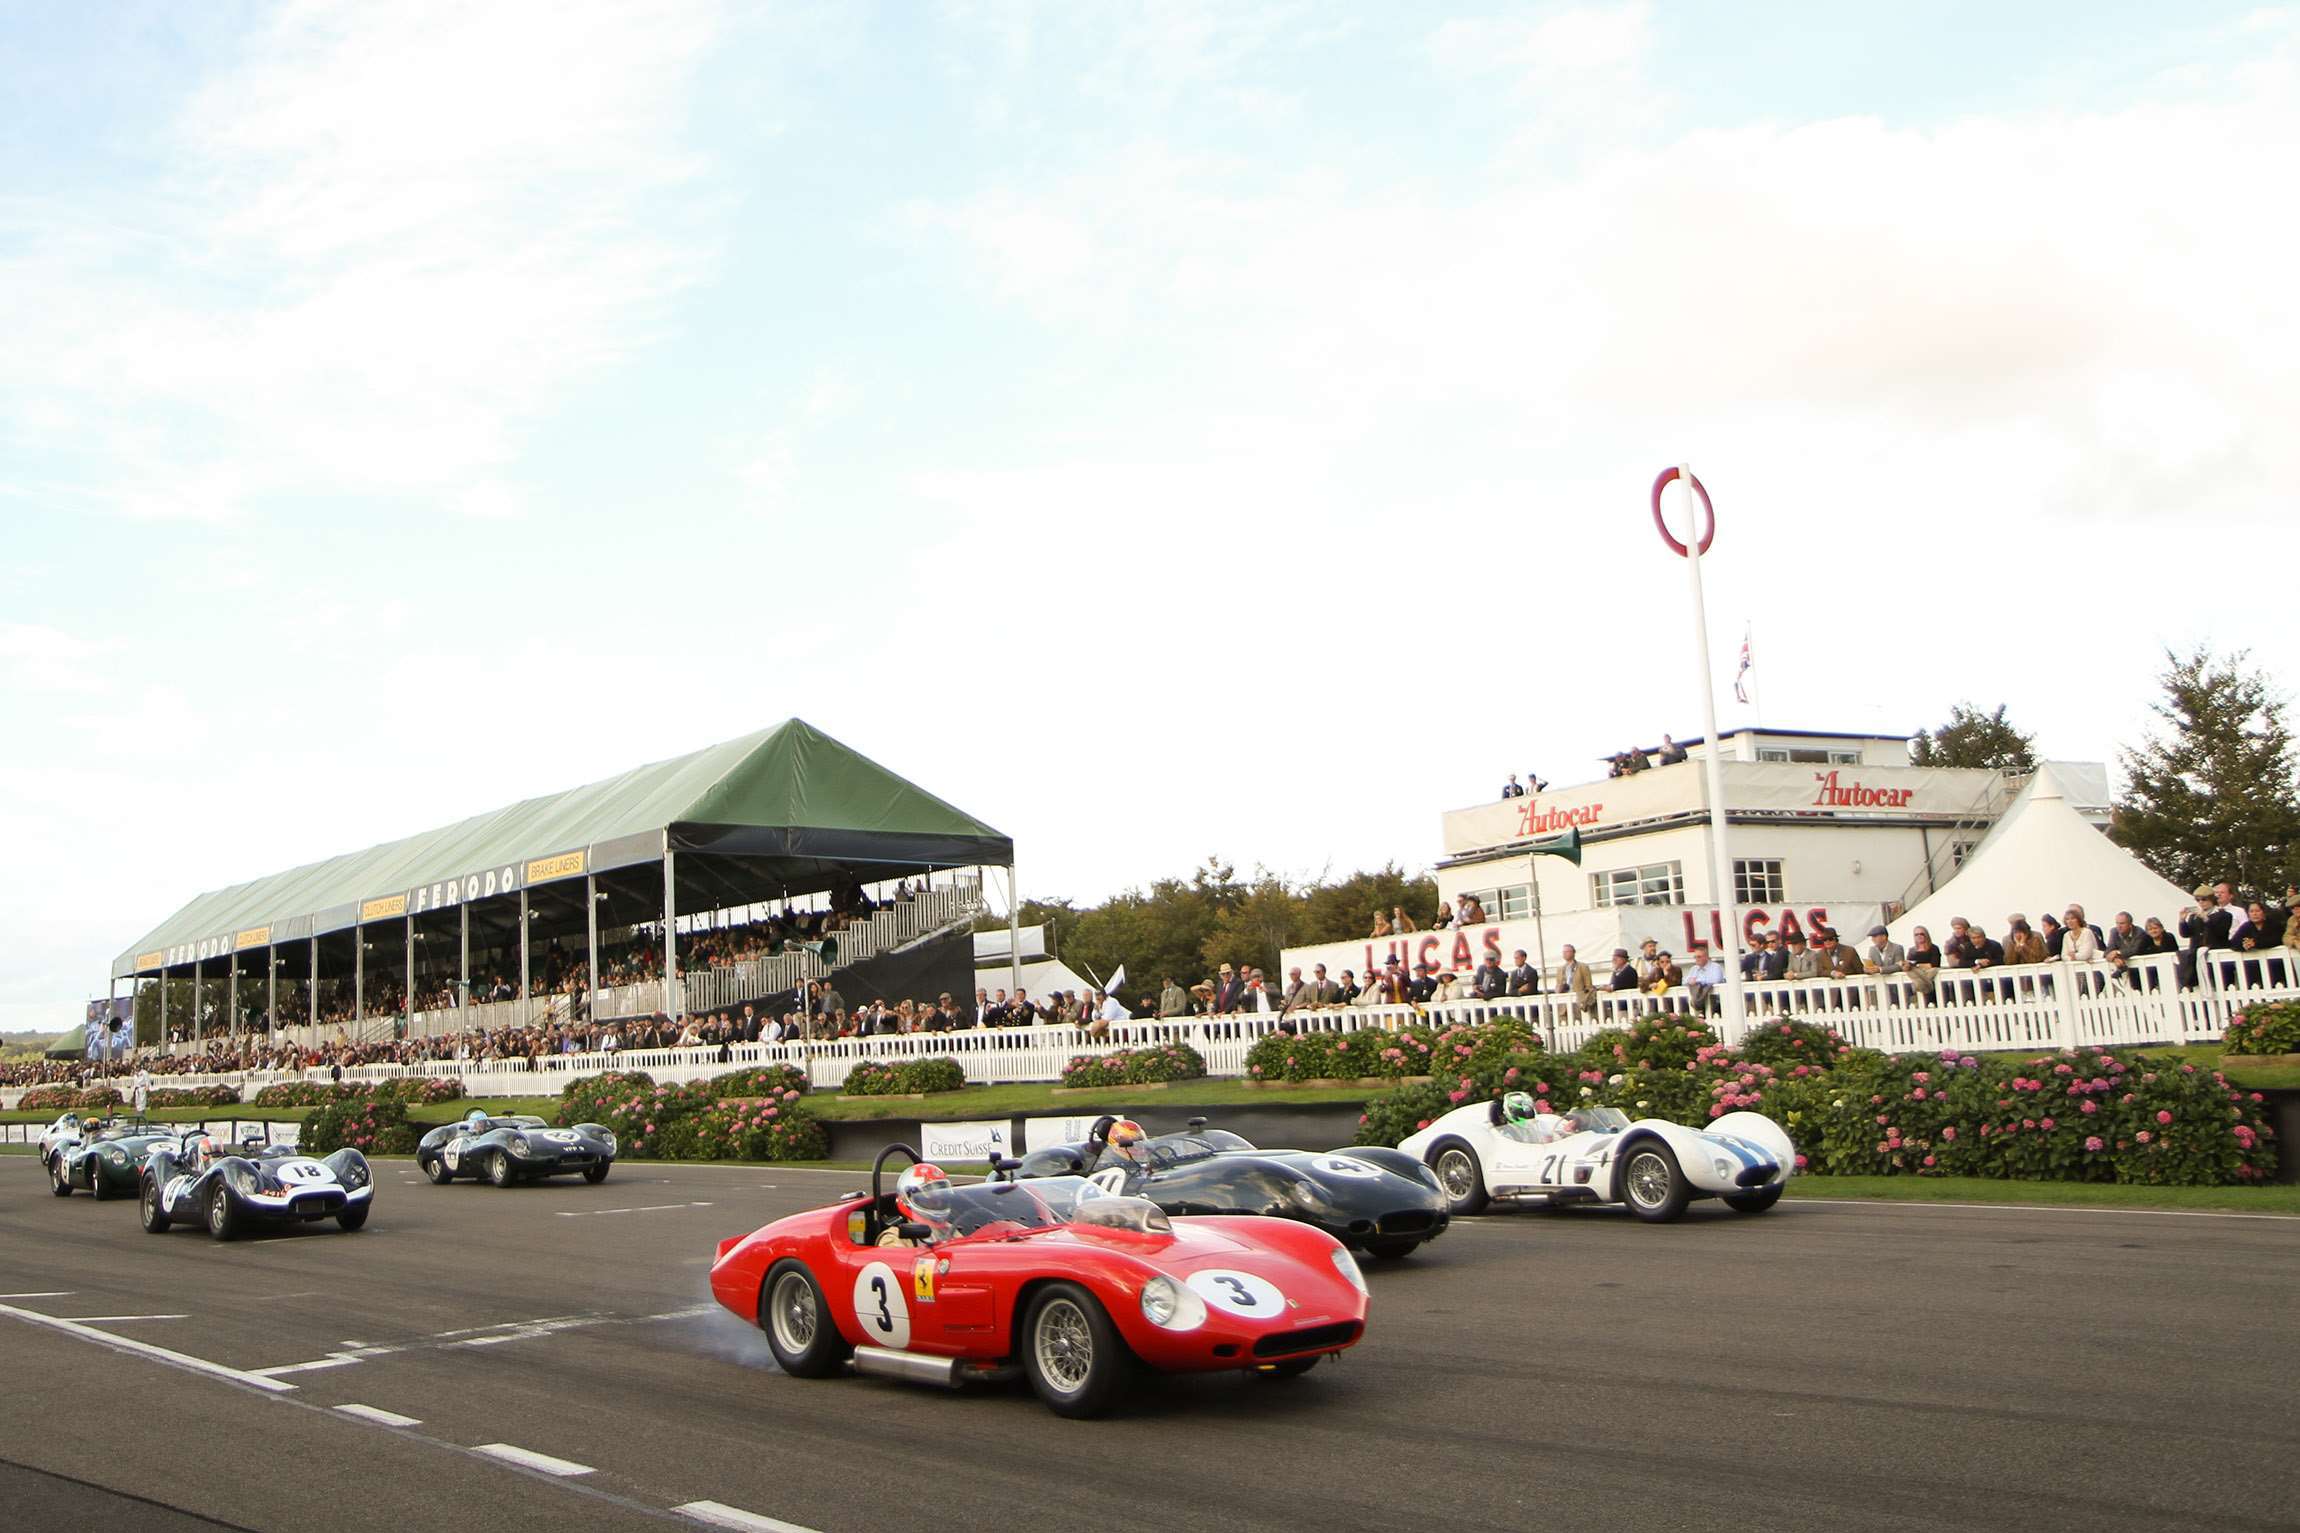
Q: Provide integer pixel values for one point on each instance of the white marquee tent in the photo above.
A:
(2036, 860)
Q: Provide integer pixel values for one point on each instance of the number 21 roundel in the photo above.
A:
(880, 1306)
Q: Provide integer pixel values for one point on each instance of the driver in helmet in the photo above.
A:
(475, 1122)
(922, 1196)
(1525, 1120)
(203, 1155)
(1123, 1139)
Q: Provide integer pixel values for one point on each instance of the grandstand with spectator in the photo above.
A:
(732, 874)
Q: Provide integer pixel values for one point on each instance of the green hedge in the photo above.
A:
(760, 1081)
(374, 1128)
(1136, 1067)
(409, 1088)
(870, 1078)
(2084, 1115)
(2269, 1029)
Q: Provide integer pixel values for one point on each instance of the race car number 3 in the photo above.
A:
(881, 1307)
(1240, 1293)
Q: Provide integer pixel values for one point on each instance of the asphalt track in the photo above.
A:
(1825, 1366)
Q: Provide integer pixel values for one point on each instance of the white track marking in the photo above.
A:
(146, 1349)
(649, 1208)
(94, 1319)
(53, 1293)
(719, 1515)
(528, 1458)
(2049, 1208)
(379, 1417)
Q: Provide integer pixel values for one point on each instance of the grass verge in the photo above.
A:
(2280, 1199)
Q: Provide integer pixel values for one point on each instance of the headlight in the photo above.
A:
(1347, 1266)
(352, 1173)
(610, 1138)
(519, 1144)
(1170, 1306)
(1725, 1169)
(116, 1155)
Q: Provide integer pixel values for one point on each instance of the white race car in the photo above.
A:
(1504, 1150)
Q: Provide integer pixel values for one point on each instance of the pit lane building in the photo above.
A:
(1825, 829)
(673, 850)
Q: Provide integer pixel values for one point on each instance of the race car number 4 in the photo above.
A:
(1345, 1165)
(1240, 1293)
(881, 1307)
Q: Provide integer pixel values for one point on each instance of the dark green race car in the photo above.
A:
(108, 1161)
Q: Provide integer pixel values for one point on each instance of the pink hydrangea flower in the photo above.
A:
(2163, 1115)
(2092, 1142)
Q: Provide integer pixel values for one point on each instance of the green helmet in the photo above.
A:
(1517, 1107)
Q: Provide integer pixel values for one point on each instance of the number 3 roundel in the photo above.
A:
(1240, 1293)
(880, 1306)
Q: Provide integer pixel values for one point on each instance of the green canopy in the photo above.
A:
(73, 1045)
(791, 803)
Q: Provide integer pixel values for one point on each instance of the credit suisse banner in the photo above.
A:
(1764, 787)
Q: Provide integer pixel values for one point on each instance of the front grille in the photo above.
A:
(1407, 1224)
(317, 1205)
(1315, 1338)
(1756, 1176)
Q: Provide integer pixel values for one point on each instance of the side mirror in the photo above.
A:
(1001, 1166)
(1197, 1123)
(913, 1230)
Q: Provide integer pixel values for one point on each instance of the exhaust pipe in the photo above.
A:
(910, 1367)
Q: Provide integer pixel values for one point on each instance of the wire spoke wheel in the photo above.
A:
(793, 1312)
(1649, 1180)
(1064, 1344)
(1457, 1174)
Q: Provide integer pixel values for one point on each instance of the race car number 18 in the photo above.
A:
(881, 1307)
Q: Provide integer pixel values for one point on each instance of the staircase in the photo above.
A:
(896, 926)
(1941, 864)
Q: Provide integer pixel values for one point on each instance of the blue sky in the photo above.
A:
(1075, 406)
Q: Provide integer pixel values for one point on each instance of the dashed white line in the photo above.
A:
(2047, 1208)
(528, 1458)
(648, 1208)
(53, 1293)
(92, 1319)
(719, 1515)
(381, 1418)
(146, 1349)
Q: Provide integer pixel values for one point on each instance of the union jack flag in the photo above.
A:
(1741, 677)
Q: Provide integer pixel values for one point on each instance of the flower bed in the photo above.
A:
(57, 1098)
(701, 1121)
(2264, 1030)
(916, 1077)
(2085, 1115)
(1135, 1067)
(417, 1088)
(307, 1094)
(759, 1081)
(193, 1096)
(373, 1128)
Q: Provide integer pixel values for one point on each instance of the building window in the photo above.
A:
(1757, 881)
(1516, 903)
(1834, 756)
(1658, 883)
(1959, 851)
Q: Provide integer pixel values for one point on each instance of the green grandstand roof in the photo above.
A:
(791, 795)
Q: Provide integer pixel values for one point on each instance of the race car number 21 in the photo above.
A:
(1239, 1293)
(881, 1306)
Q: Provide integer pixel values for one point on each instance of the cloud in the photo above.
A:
(39, 658)
(377, 245)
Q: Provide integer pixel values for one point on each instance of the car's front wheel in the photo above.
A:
(96, 1187)
(439, 1171)
(59, 1183)
(595, 1174)
(154, 1215)
(223, 1219)
(1072, 1352)
(800, 1332)
(353, 1218)
(1459, 1173)
(498, 1170)
(1754, 1202)
(1652, 1185)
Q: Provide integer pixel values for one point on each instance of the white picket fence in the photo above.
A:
(2045, 1007)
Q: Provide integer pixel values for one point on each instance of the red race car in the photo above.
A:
(1053, 1278)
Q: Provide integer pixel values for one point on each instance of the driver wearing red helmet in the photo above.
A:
(922, 1196)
